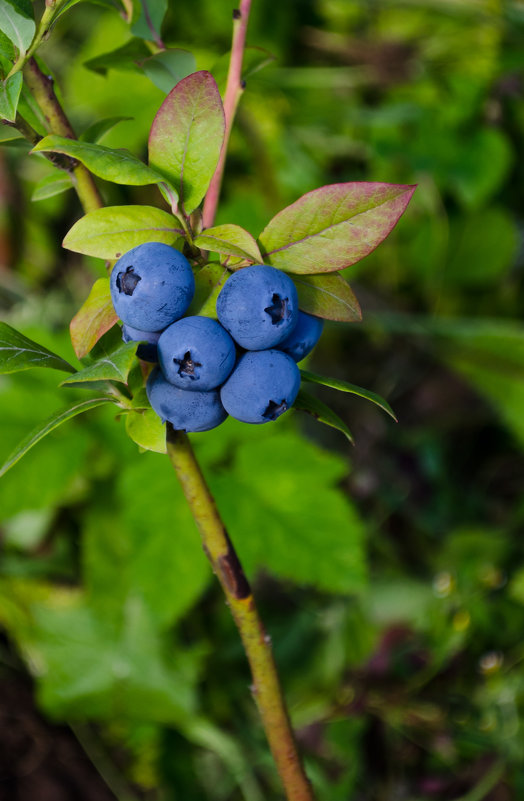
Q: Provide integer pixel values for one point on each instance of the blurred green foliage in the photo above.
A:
(390, 577)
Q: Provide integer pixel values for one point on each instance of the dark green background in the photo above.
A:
(391, 575)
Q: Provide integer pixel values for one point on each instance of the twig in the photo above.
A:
(257, 645)
(42, 89)
(234, 90)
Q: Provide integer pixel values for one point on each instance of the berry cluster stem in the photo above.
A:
(257, 645)
(42, 89)
(234, 90)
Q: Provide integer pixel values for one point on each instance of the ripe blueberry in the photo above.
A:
(258, 305)
(151, 286)
(186, 411)
(304, 336)
(263, 385)
(196, 353)
(147, 352)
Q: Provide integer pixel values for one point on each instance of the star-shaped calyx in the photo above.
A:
(186, 366)
(275, 409)
(277, 310)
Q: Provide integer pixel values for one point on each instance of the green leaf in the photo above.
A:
(17, 24)
(113, 366)
(327, 296)
(344, 386)
(17, 352)
(301, 526)
(49, 425)
(148, 18)
(112, 231)
(186, 137)
(125, 57)
(9, 96)
(9, 134)
(118, 166)
(231, 240)
(54, 184)
(333, 227)
(93, 319)
(103, 669)
(167, 68)
(147, 430)
(321, 412)
(98, 129)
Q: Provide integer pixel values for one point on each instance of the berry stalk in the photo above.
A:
(41, 87)
(234, 90)
(257, 644)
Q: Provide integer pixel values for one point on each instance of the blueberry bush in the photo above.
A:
(405, 686)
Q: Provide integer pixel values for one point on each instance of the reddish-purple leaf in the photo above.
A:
(93, 319)
(186, 137)
(333, 227)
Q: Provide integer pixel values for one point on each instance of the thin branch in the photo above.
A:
(257, 645)
(234, 90)
(42, 88)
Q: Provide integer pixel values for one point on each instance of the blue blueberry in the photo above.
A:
(258, 305)
(147, 352)
(151, 286)
(263, 385)
(304, 336)
(196, 353)
(186, 411)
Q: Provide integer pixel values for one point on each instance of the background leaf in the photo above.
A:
(93, 319)
(49, 425)
(89, 663)
(125, 57)
(52, 185)
(112, 231)
(167, 68)
(300, 527)
(17, 352)
(9, 95)
(333, 227)
(147, 20)
(118, 166)
(17, 23)
(327, 296)
(187, 135)
(98, 129)
(345, 386)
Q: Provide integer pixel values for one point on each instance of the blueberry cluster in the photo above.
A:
(244, 364)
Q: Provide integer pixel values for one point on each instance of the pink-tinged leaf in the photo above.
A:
(186, 137)
(327, 296)
(93, 319)
(230, 240)
(333, 227)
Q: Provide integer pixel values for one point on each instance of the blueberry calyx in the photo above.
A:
(277, 310)
(126, 282)
(275, 409)
(186, 366)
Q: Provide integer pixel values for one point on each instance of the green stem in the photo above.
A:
(42, 89)
(43, 29)
(257, 645)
